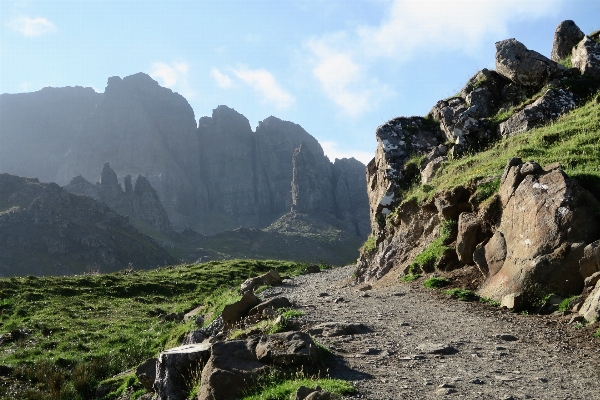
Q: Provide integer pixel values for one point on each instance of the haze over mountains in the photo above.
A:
(214, 176)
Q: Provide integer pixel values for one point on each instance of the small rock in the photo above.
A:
(507, 337)
(312, 269)
(339, 300)
(323, 294)
(436, 348)
(477, 381)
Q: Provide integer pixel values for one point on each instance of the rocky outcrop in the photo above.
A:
(566, 37)
(141, 202)
(45, 230)
(311, 182)
(586, 57)
(538, 222)
(551, 105)
(523, 66)
(537, 234)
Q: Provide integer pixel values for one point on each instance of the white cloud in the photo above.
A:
(332, 151)
(446, 25)
(174, 76)
(343, 62)
(222, 80)
(265, 84)
(32, 27)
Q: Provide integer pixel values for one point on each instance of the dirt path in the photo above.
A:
(548, 359)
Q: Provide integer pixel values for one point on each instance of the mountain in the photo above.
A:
(45, 230)
(213, 176)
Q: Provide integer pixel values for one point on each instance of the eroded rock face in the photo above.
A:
(554, 103)
(566, 36)
(522, 66)
(590, 310)
(142, 203)
(586, 57)
(311, 182)
(545, 225)
(396, 141)
(174, 368)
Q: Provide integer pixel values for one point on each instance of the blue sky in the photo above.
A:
(338, 68)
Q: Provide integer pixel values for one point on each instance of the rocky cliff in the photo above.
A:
(140, 202)
(450, 193)
(215, 176)
(45, 230)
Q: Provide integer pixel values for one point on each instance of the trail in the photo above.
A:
(548, 360)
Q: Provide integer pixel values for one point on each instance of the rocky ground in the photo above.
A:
(426, 345)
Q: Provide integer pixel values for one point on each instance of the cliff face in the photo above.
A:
(44, 230)
(213, 177)
(37, 129)
(140, 202)
(515, 233)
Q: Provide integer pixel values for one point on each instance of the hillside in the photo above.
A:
(44, 230)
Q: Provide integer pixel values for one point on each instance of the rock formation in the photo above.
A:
(45, 230)
(141, 202)
(539, 234)
(215, 176)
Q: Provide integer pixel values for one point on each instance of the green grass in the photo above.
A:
(462, 294)
(410, 277)
(436, 283)
(564, 305)
(566, 62)
(369, 246)
(488, 301)
(573, 140)
(425, 261)
(269, 326)
(285, 389)
(487, 190)
(84, 329)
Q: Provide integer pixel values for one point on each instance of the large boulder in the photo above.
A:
(524, 67)
(546, 222)
(554, 103)
(235, 312)
(176, 370)
(146, 373)
(287, 349)
(586, 57)
(566, 36)
(466, 240)
(232, 367)
(590, 310)
(270, 278)
(274, 303)
(590, 263)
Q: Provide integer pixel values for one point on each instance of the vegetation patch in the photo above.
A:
(564, 305)
(410, 277)
(77, 331)
(426, 260)
(436, 283)
(462, 294)
(275, 387)
(486, 190)
(490, 302)
(369, 246)
(573, 140)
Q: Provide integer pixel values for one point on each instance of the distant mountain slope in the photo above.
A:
(213, 177)
(45, 230)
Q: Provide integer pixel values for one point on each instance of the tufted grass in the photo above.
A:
(83, 329)
(573, 140)
(286, 389)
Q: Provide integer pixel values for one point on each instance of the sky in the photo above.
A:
(337, 68)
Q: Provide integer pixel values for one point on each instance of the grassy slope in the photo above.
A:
(573, 140)
(82, 329)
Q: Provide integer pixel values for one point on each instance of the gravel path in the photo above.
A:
(548, 360)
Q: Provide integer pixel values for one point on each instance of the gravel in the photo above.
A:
(423, 344)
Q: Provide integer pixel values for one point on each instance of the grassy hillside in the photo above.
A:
(573, 140)
(62, 335)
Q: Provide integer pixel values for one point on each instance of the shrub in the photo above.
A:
(436, 283)
(427, 259)
(462, 294)
(410, 277)
(369, 246)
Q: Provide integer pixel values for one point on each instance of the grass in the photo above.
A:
(410, 277)
(486, 190)
(269, 326)
(425, 261)
(86, 328)
(573, 140)
(462, 294)
(564, 305)
(488, 301)
(436, 283)
(369, 246)
(277, 388)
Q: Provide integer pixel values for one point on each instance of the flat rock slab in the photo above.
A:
(338, 329)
